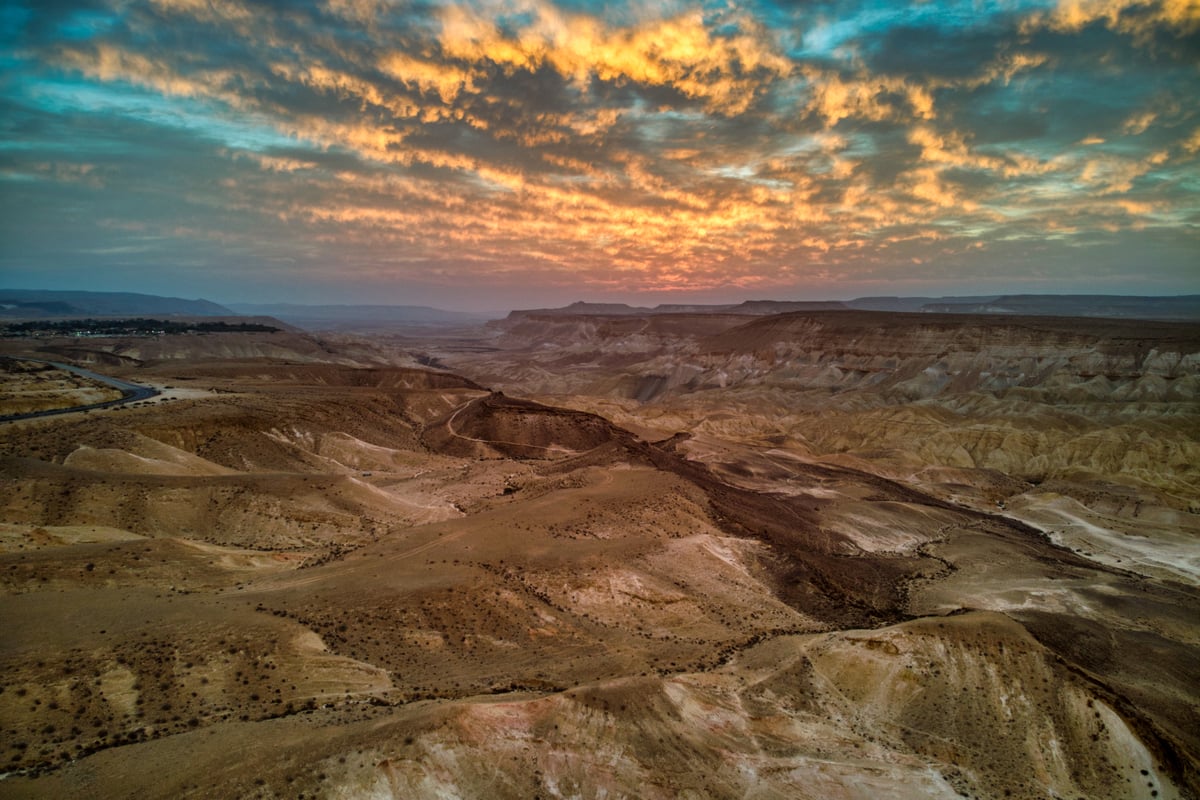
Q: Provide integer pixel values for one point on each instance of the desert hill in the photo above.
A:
(827, 554)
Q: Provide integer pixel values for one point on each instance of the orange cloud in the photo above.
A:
(1139, 122)
(868, 97)
(725, 71)
(673, 194)
(926, 184)
(1007, 66)
(950, 149)
(447, 81)
(1138, 18)
(1112, 174)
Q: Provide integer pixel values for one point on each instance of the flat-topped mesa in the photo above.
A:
(902, 356)
(754, 308)
(578, 308)
(885, 333)
(1176, 308)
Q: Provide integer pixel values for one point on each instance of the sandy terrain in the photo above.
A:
(371, 580)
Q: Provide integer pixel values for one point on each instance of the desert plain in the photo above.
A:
(824, 554)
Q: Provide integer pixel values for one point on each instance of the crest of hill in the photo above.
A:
(39, 303)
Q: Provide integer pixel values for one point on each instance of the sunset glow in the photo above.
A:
(517, 152)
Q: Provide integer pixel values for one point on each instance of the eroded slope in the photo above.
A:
(374, 582)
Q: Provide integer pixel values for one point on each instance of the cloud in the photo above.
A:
(445, 80)
(669, 146)
(1111, 174)
(107, 63)
(725, 71)
(1139, 122)
(1138, 17)
(866, 97)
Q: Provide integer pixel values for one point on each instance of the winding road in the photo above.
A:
(130, 392)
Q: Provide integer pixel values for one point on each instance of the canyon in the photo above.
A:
(822, 553)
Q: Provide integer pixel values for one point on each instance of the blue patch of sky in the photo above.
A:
(512, 24)
(805, 145)
(661, 124)
(630, 12)
(748, 173)
(1072, 106)
(85, 25)
(826, 31)
(121, 100)
(740, 172)
(11, 64)
(13, 21)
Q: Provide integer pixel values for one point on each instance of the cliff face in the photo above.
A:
(1035, 397)
(891, 357)
(913, 357)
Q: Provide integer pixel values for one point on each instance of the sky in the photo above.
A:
(513, 153)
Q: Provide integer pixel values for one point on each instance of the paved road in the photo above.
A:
(130, 392)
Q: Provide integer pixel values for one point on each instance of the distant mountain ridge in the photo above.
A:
(39, 303)
(1182, 307)
(1178, 308)
(912, 303)
(749, 307)
(335, 316)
